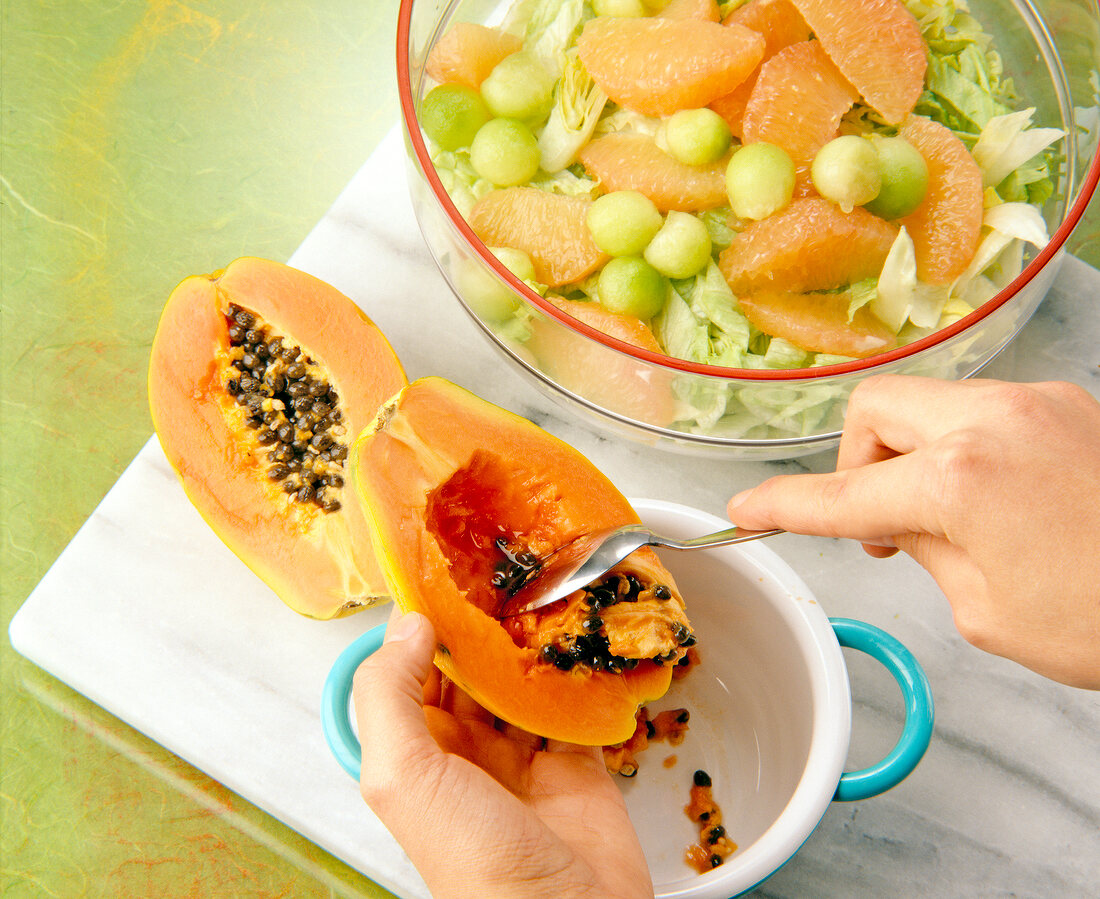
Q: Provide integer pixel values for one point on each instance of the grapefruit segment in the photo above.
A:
(467, 53)
(946, 226)
(605, 376)
(550, 228)
(631, 161)
(779, 21)
(781, 25)
(810, 245)
(797, 104)
(818, 322)
(656, 66)
(878, 46)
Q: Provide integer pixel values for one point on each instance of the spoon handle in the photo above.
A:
(720, 538)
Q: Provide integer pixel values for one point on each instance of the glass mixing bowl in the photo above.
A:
(1051, 51)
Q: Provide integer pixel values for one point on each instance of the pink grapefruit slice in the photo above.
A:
(810, 245)
(946, 226)
(878, 46)
(657, 66)
(630, 161)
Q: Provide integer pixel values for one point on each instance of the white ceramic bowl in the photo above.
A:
(770, 713)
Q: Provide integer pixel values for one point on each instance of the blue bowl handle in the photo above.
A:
(917, 731)
(335, 714)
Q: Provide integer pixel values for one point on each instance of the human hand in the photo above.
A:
(993, 487)
(484, 809)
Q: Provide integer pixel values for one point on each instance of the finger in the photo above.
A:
(871, 504)
(433, 688)
(483, 745)
(521, 737)
(459, 703)
(387, 695)
(880, 551)
(593, 752)
(961, 582)
(888, 415)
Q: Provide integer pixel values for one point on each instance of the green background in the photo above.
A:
(142, 141)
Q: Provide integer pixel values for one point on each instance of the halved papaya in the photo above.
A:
(260, 377)
(464, 500)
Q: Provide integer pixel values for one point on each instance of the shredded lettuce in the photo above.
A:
(784, 354)
(964, 87)
(860, 294)
(711, 299)
(620, 119)
(569, 182)
(718, 226)
(1007, 142)
(680, 331)
(1006, 227)
(464, 185)
(552, 28)
(578, 103)
(897, 283)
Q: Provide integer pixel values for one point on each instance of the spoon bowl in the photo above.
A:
(588, 557)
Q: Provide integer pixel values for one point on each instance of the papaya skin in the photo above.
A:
(319, 563)
(437, 556)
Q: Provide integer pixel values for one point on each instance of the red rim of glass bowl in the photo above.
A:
(412, 129)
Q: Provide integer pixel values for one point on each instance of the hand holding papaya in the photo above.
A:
(993, 487)
(483, 809)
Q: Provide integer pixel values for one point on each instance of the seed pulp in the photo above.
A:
(292, 410)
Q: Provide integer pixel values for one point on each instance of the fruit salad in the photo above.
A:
(751, 184)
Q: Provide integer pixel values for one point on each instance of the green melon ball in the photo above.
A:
(759, 180)
(697, 136)
(846, 171)
(452, 114)
(631, 286)
(681, 248)
(505, 152)
(519, 87)
(623, 222)
(490, 298)
(904, 175)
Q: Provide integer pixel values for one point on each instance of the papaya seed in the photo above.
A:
(288, 402)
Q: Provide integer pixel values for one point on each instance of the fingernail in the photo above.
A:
(738, 498)
(403, 628)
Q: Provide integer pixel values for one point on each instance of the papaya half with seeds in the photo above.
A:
(464, 499)
(259, 379)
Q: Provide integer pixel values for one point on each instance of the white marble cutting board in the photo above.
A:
(150, 616)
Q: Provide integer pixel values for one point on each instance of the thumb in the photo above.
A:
(387, 694)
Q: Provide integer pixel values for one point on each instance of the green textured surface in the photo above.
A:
(144, 141)
(141, 142)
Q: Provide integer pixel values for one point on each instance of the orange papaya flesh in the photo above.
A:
(461, 493)
(222, 406)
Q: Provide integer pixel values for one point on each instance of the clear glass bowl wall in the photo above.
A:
(1051, 50)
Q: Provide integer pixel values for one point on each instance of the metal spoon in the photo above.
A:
(590, 556)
